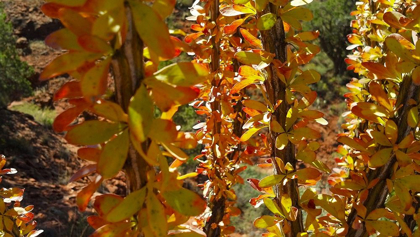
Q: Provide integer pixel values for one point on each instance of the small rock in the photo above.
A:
(22, 42)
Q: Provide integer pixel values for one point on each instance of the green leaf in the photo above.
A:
(266, 21)
(156, 215)
(114, 155)
(271, 180)
(92, 132)
(127, 207)
(183, 74)
(380, 158)
(260, 5)
(152, 30)
(140, 114)
(185, 201)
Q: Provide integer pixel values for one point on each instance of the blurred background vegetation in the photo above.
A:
(14, 73)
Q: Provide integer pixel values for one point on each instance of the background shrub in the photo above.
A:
(13, 72)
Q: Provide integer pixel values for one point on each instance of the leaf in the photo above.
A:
(127, 207)
(175, 152)
(164, 7)
(416, 76)
(113, 230)
(105, 203)
(351, 143)
(370, 111)
(297, 3)
(308, 36)
(270, 180)
(69, 90)
(231, 29)
(63, 39)
(306, 174)
(152, 30)
(185, 201)
(250, 58)
(251, 39)
(236, 10)
(248, 134)
(260, 5)
(413, 117)
(272, 206)
(89, 154)
(281, 141)
(266, 21)
(74, 21)
(379, 95)
(397, 48)
(73, 3)
(84, 195)
(140, 114)
(156, 215)
(379, 69)
(391, 131)
(94, 44)
(386, 228)
(83, 172)
(163, 131)
(167, 96)
(265, 221)
(92, 132)
(253, 104)
(63, 120)
(110, 110)
(380, 138)
(183, 74)
(94, 82)
(380, 158)
(67, 63)
(113, 155)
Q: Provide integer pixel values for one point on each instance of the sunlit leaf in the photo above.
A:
(271, 180)
(155, 214)
(266, 21)
(140, 112)
(184, 201)
(113, 155)
(92, 132)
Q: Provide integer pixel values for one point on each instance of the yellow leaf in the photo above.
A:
(281, 141)
(94, 81)
(270, 180)
(183, 74)
(248, 134)
(140, 112)
(265, 221)
(74, 3)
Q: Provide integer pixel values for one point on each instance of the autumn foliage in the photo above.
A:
(14, 219)
(238, 46)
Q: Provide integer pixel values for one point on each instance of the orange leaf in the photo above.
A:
(90, 154)
(86, 193)
(63, 39)
(251, 39)
(94, 81)
(231, 29)
(94, 44)
(69, 90)
(75, 22)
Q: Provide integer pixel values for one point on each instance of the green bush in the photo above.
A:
(13, 72)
